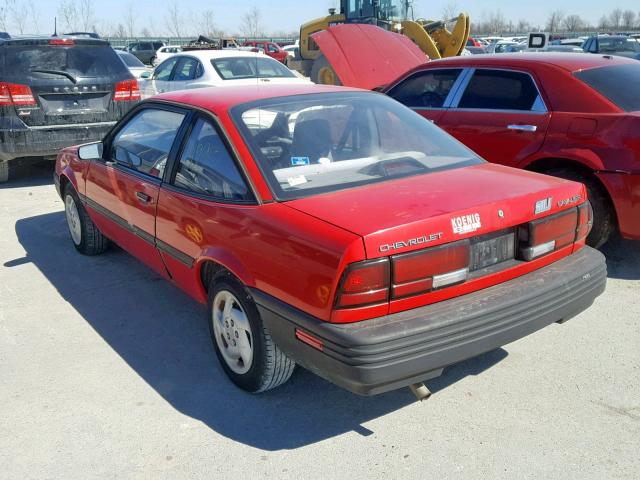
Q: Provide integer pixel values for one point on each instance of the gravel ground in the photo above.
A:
(107, 371)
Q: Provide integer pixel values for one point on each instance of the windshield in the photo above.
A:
(387, 9)
(235, 68)
(79, 60)
(608, 81)
(617, 44)
(319, 143)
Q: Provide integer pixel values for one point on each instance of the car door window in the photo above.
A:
(272, 48)
(427, 89)
(207, 168)
(186, 69)
(501, 90)
(144, 143)
(163, 72)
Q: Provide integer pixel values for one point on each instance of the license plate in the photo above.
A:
(490, 251)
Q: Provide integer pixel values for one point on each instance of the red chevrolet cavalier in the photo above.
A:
(572, 116)
(332, 228)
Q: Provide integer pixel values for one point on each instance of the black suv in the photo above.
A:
(145, 51)
(56, 92)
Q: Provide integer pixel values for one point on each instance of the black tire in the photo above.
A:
(604, 218)
(92, 241)
(4, 171)
(152, 60)
(320, 63)
(270, 367)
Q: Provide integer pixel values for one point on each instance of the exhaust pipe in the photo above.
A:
(420, 390)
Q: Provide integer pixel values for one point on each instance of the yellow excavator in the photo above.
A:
(433, 38)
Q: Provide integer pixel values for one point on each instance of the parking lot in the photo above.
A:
(107, 371)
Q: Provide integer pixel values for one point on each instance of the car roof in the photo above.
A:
(218, 100)
(568, 61)
(44, 39)
(210, 54)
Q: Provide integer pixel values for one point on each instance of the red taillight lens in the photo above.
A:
(15, 94)
(436, 267)
(364, 283)
(127, 90)
(585, 220)
(548, 234)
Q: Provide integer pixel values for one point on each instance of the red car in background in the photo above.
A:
(332, 228)
(567, 115)
(270, 48)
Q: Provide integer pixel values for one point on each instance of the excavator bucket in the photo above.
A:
(450, 43)
(366, 56)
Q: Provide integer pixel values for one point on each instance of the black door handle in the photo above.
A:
(143, 197)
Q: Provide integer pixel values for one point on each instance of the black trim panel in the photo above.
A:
(397, 350)
(147, 237)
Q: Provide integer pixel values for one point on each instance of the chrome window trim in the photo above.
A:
(539, 100)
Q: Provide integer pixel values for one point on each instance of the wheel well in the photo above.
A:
(208, 271)
(64, 181)
(546, 164)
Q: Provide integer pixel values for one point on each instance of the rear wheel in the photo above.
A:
(153, 61)
(243, 344)
(604, 219)
(322, 72)
(85, 236)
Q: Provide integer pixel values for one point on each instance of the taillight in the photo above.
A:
(15, 94)
(364, 283)
(585, 220)
(62, 42)
(127, 90)
(545, 235)
(431, 268)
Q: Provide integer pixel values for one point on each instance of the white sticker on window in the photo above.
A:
(294, 181)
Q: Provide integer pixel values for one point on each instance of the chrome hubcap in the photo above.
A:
(73, 219)
(232, 332)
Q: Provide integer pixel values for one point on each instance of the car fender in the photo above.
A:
(73, 170)
(226, 259)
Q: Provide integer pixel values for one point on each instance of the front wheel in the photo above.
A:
(322, 72)
(243, 344)
(85, 236)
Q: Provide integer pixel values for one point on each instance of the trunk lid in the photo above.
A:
(409, 214)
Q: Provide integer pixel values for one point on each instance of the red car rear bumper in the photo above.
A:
(624, 189)
(400, 349)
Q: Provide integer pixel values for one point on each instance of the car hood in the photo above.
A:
(366, 56)
(419, 211)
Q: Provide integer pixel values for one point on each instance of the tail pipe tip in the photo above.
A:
(420, 390)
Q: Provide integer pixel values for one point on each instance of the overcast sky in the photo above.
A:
(287, 15)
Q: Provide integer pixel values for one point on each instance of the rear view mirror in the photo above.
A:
(91, 151)
(146, 74)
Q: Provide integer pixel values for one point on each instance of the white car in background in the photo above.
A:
(163, 53)
(216, 68)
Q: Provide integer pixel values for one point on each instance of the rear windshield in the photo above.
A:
(619, 83)
(79, 61)
(618, 44)
(311, 144)
(130, 60)
(235, 68)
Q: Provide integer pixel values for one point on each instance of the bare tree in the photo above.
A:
(250, 25)
(120, 32)
(86, 14)
(603, 23)
(130, 21)
(524, 26)
(174, 20)
(615, 19)
(4, 15)
(34, 15)
(206, 24)
(69, 14)
(450, 11)
(18, 15)
(628, 19)
(554, 20)
(146, 33)
(573, 23)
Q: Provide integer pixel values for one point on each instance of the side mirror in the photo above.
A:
(146, 74)
(91, 151)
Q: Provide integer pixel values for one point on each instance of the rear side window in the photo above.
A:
(426, 89)
(144, 143)
(234, 68)
(609, 81)
(79, 61)
(187, 69)
(501, 90)
(163, 72)
(206, 167)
